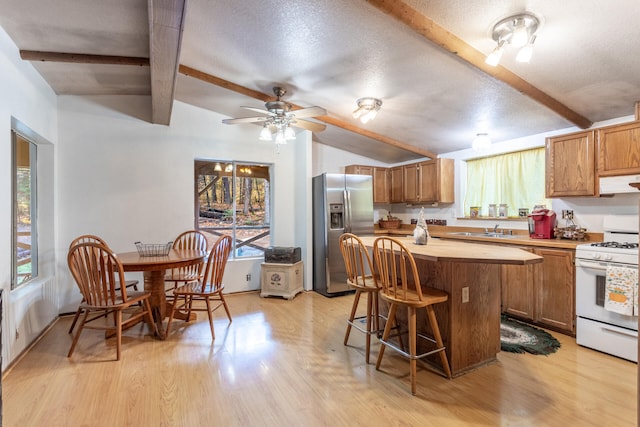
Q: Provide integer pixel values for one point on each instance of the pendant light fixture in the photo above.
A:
(518, 31)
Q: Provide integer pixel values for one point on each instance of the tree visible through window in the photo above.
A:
(25, 249)
(233, 198)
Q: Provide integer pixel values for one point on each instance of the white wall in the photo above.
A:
(127, 180)
(28, 103)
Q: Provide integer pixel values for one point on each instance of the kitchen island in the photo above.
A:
(470, 274)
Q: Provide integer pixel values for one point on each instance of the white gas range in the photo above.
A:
(598, 327)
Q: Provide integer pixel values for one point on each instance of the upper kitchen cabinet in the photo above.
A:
(431, 181)
(359, 170)
(381, 191)
(396, 193)
(570, 165)
(437, 181)
(619, 149)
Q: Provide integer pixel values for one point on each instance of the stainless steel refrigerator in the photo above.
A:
(341, 203)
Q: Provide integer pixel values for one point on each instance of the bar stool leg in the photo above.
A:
(438, 338)
(369, 325)
(352, 316)
(387, 330)
(411, 318)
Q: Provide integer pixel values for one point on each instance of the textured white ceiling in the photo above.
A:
(331, 52)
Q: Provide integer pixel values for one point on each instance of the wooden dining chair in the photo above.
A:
(360, 277)
(400, 287)
(208, 289)
(90, 238)
(191, 239)
(98, 272)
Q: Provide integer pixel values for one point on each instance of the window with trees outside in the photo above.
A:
(515, 179)
(25, 219)
(233, 198)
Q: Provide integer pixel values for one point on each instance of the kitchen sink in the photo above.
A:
(492, 235)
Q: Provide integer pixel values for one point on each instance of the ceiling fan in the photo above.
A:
(278, 115)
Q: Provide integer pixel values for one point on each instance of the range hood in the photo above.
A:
(610, 185)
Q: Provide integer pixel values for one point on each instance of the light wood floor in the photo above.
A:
(282, 363)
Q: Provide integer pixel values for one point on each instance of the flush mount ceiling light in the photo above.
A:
(481, 142)
(518, 31)
(367, 109)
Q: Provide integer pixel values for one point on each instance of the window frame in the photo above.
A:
(235, 164)
(33, 208)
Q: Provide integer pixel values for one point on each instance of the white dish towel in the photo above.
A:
(621, 289)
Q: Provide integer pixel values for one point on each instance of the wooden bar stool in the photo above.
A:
(394, 266)
(359, 275)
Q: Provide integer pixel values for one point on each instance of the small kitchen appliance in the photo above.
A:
(541, 224)
(598, 326)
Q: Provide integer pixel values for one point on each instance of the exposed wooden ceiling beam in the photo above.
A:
(205, 77)
(80, 58)
(166, 23)
(433, 32)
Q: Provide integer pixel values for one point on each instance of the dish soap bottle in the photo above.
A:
(420, 233)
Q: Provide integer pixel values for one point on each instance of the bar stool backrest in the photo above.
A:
(396, 270)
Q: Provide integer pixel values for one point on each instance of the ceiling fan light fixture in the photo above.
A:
(289, 133)
(367, 109)
(518, 31)
(280, 139)
(481, 142)
(265, 133)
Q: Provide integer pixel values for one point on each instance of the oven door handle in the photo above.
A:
(591, 265)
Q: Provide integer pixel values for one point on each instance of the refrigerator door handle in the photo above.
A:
(347, 211)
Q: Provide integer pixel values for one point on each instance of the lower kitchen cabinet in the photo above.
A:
(543, 294)
(517, 289)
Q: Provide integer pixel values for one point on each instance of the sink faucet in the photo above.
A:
(495, 229)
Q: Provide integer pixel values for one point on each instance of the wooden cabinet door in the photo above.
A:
(428, 181)
(397, 187)
(619, 149)
(570, 165)
(556, 289)
(359, 170)
(518, 286)
(381, 190)
(410, 183)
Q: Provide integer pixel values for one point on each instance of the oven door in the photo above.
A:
(590, 295)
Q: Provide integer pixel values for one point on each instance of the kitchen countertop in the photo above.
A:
(443, 250)
(522, 237)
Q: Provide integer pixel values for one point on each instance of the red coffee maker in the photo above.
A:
(541, 224)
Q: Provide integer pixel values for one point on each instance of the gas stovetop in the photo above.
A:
(616, 245)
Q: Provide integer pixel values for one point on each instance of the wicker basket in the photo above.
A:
(152, 249)
(570, 233)
(389, 224)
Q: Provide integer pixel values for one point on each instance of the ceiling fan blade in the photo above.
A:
(258, 110)
(246, 120)
(309, 112)
(306, 124)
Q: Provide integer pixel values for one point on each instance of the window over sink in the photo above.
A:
(234, 198)
(515, 179)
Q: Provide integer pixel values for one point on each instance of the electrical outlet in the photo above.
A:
(248, 277)
(567, 214)
(465, 294)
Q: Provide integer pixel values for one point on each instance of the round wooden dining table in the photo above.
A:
(153, 268)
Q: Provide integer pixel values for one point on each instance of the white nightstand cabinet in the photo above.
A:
(281, 280)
